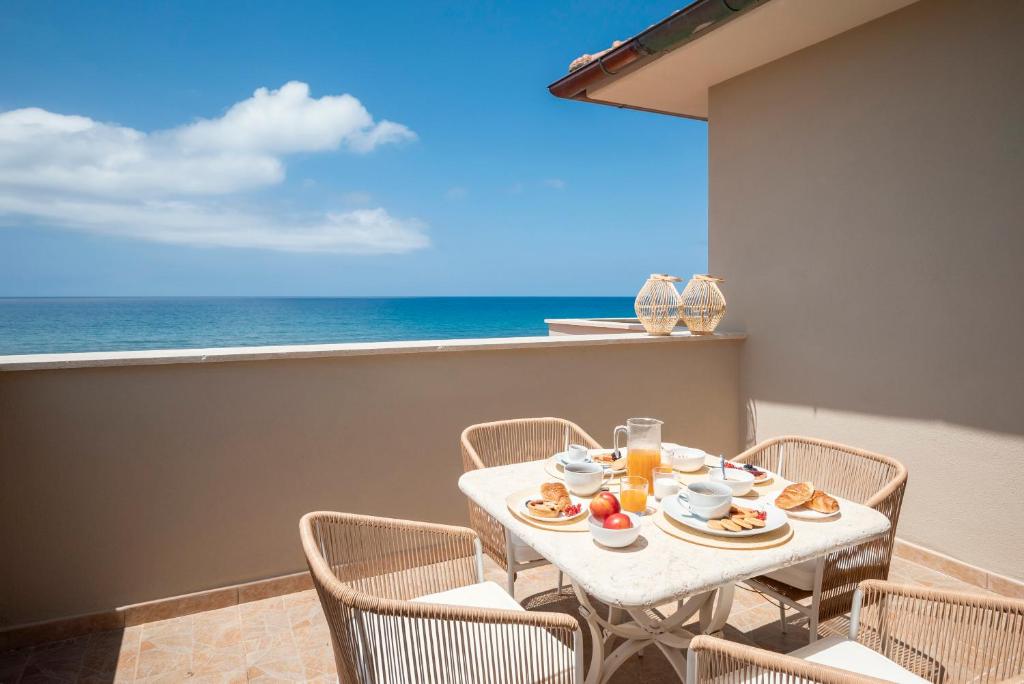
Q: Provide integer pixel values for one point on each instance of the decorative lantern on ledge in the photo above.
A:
(702, 304)
(657, 305)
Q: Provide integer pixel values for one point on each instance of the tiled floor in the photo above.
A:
(285, 639)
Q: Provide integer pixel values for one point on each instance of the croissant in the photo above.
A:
(794, 495)
(822, 502)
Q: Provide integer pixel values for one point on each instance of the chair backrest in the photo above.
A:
(845, 471)
(365, 569)
(387, 558)
(505, 442)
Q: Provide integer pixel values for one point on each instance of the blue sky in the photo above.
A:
(139, 162)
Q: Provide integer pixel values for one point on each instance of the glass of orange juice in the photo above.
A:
(643, 447)
(633, 493)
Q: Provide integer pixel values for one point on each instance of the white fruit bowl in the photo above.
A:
(614, 539)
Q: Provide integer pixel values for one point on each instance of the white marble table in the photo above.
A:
(657, 569)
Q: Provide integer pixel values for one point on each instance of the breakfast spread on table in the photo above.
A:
(554, 502)
(804, 494)
(739, 519)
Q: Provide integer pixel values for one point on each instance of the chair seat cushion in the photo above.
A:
(481, 595)
(521, 552)
(800, 575)
(855, 657)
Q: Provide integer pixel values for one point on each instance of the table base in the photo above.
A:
(643, 627)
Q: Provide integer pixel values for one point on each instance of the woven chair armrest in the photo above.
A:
(725, 662)
(401, 546)
(947, 596)
(460, 536)
(943, 634)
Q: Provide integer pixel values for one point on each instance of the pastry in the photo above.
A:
(795, 495)
(543, 509)
(715, 524)
(556, 493)
(822, 502)
(607, 459)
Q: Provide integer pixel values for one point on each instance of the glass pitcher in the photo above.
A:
(643, 447)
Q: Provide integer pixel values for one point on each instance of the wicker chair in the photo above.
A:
(897, 634)
(502, 443)
(867, 478)
(406, 602)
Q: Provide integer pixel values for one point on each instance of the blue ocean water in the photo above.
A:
(44, 325)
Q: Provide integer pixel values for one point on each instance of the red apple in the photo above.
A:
(603, 505)
(617, 521)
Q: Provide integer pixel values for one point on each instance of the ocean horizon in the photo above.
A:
(44, 325)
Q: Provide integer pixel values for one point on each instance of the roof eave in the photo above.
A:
(689, 23)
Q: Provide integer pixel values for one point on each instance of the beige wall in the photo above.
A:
(124, 484)
(867, 212)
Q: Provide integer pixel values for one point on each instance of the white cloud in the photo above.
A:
(76, 172)
(288, 120)
(555, 183)
(362, 231)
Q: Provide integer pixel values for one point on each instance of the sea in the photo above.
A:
(81, 324)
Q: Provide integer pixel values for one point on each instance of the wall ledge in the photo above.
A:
(23, 362)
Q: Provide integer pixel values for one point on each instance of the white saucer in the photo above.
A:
(561, 459)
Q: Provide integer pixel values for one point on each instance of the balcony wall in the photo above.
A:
(865, 209)
(132, 477)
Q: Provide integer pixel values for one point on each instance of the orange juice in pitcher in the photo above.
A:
(643, 447)
(642, 462)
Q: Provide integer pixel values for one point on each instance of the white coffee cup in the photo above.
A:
(584, 479)
(576, 453)
(707, 499)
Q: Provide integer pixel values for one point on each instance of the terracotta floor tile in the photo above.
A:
(318, 663)
(179, 626)
(281, 664)
(301, 598)
(58, 661)
(218, 629)
(309, 626)
(234, 677)
(164, 655)
(214, 661)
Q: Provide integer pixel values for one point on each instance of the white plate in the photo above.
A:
(769, 478)
(805, 513)
(584, 509)
(678, 511)
(560, 458)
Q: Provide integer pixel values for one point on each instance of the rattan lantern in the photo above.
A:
(657, 305)
(702, 304)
